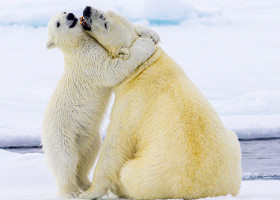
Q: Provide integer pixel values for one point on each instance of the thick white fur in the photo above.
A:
(70, 136)
(119, 33)
(165, 140)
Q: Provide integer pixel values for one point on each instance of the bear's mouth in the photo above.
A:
(84, 24)
(74, 23)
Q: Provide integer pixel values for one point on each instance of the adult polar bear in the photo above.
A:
(70, 137)
(164, 140)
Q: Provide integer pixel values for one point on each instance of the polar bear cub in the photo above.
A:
(165, 140)
(70, 135)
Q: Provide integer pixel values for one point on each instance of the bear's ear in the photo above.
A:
(50, 45)
(124, 53)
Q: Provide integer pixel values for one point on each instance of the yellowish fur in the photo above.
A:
(165, 140)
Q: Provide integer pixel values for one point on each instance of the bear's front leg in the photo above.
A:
(116, 150)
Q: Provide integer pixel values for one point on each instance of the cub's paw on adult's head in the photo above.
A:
(146, 32)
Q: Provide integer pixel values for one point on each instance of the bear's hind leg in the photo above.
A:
(62, 157)
(145, 179)
(89, 151)
(66, 176)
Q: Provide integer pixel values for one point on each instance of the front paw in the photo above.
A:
(90, 195)
(70, 195)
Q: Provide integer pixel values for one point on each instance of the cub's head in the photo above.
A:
(111, 30)
(64, 31)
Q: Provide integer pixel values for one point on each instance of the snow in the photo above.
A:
(229, 49)
(26, 177)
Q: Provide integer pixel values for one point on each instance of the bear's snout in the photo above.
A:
(70, 16)
(87, 11)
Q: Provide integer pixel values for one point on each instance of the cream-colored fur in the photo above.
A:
(70, 137)
(165, 140)
(116, 33)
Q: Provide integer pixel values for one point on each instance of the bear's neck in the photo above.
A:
(156, 56)
(74, 55)
(72, 48)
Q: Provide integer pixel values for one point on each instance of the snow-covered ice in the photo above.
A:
(26, 177)
(230, 49)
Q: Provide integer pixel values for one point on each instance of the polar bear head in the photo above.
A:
(64, 31)
(113, 31)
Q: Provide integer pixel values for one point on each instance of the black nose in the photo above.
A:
(70, 16)
(87, 11)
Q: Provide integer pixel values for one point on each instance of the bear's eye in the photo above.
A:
(106, 25)
(101, 16)
(57, 24)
